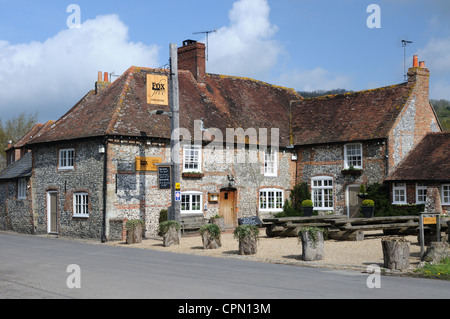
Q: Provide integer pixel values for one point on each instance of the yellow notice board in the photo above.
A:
(429, 220)
(147, 163)
(157, 89)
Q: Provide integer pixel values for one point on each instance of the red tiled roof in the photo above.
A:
(223, 101)
(35, 131)
(428, 161)
(352, 116)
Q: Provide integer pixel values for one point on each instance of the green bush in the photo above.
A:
(132, 223)
(299, 193)
(368, 203)
(243, 231)
(162, 215)
(212, 229)
(164, 226)
(307, 203)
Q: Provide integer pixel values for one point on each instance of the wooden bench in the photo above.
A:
(192, 222)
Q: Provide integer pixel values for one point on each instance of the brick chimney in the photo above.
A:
(191, 57)
(420, 75)
(101, 84)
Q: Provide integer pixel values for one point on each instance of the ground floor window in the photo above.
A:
(446, 194)
(271, 199)
(322, 192)
(399, 193)
(191, 202)
(421, 193)
(80, 205)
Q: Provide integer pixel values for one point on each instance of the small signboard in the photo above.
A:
(147, 163)
(177, 186)
(177, 196)
(253, 220)
(164, 177)
(429, 220)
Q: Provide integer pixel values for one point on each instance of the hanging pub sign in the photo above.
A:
(157, 89)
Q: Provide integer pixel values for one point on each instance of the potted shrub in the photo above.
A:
(248, 239)
(312, 243)
(362, 192)
(307, 206)
(134, 231)
(170, 232)
(210, 236)
(219, 221)
(368, 208)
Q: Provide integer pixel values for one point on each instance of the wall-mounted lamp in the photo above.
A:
(101, 149)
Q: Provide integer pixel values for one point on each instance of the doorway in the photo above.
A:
(353, 201)
(227, 207)
(52, 213)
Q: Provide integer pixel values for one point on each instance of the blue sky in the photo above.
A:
(46, 67)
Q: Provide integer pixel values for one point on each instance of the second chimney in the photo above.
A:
(191, 57)
(101, 85)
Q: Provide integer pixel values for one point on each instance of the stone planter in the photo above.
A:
(395, 253)
(312, 244)
(210, 242)
(170, 232)
(134, 231)
(248, 239)
(219, 221)
(210, 236)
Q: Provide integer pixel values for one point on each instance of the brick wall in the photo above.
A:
(328, 160)
(87, 176)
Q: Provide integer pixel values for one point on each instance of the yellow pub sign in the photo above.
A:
(157, 89)
(147, 163)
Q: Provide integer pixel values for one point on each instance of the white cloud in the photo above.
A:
(436, 55)
(50, 76)
(246, 47)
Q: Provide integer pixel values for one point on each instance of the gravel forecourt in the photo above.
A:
(351, 255)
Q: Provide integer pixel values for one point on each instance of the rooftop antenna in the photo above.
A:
(207, 34)
(404, 44)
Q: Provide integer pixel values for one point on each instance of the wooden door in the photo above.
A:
(227, 207)
(52, 210)
(353, 201)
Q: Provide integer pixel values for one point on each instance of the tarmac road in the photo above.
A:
(38, 267)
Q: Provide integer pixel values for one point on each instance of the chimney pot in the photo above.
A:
(99, 76)
(415, 61)
(421, 64)
(105, 77)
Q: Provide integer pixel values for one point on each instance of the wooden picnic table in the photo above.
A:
(340, 227)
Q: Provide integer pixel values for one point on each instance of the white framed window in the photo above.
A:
(421, 193)
(66, 158)
(322, 192)
(191, 202)
(445, 194)
(80, 205)
(399, 193)
(22, 188)
(270, 163)
(271, 199)
(353, 155)
(192, 158)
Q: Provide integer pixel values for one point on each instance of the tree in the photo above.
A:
(13, 130)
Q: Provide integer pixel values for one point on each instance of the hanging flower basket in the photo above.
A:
(192, 174)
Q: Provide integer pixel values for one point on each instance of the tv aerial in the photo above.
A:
(404, 43)
(207, 34)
